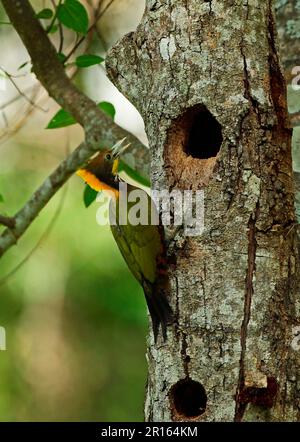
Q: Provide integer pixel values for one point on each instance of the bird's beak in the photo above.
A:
(115, 167)
(119, 148)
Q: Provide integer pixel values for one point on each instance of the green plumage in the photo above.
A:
(142, 248)
(141, 245)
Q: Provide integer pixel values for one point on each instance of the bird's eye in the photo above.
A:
(108, 156)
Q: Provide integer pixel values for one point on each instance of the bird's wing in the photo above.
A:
(141, 247)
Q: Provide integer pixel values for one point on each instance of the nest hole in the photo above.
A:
(203, 133)
(192, 149)
(188, 398)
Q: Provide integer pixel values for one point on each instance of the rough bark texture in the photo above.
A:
(191, 66)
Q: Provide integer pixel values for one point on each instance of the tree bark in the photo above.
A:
(205, 75)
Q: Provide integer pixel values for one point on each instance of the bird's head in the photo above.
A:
(101, 172)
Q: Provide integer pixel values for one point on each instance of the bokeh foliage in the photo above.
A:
(75, 317)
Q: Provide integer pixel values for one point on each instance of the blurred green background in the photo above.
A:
(75, 317)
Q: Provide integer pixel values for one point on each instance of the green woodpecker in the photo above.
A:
(142, 246)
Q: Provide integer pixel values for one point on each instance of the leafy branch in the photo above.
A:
(100, 131)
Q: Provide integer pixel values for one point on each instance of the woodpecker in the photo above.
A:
(142, 246)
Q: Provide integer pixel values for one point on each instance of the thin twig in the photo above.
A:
(43, 237)
(60, 28)
(54, 17)
(35, 92)
(295, 119)
(25, 115)
(4, 119)
(11, 79)
(61, 38)
(16, 98)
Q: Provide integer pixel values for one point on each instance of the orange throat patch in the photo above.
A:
(94, 182)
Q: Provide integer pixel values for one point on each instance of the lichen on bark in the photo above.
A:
(234, 289)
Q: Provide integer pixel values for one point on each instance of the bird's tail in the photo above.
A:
(159, 309)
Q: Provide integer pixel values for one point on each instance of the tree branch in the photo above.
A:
(45, 234)
(295, 119)
(7, 221)
(50, 72)
(44, 193)
(99, 129)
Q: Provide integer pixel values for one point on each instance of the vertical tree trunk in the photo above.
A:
(206, 78)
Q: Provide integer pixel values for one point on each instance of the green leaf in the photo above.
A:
(62, 57)
(1, 199)
(45, 13)
(108, 108)
(132, 173)
(84, 61)
(61, 119)
(73, 15)
(89, 195)
(53, 29)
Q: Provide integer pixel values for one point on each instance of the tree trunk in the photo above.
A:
(206, 78)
